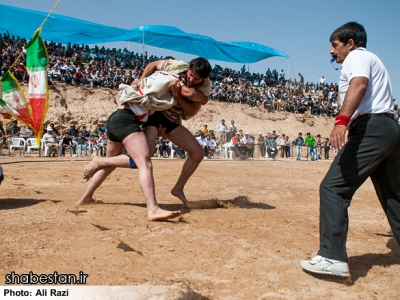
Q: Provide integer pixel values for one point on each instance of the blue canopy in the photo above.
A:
(63, 29)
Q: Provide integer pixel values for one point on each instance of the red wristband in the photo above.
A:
(342, 120)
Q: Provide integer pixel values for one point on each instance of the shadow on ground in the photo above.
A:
(14, 203)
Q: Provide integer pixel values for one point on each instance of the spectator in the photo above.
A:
(298, 142)
(66, 144)
(81, 142)
(272, 148)
(51, 140)
(13, 130)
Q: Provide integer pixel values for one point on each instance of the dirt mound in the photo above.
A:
(86, 106)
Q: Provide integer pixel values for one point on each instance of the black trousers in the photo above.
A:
(372, 150)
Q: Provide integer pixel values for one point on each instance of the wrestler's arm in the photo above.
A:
(194, 95)
(189, 107)
(150, 69)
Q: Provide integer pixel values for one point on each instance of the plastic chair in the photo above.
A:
(16, 143)
(32, 144)
(228, 151)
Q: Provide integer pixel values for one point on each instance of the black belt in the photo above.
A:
(367, 116)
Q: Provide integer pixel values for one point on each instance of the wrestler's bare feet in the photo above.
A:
(91, 168)
(88, 200)
(181, 195)
(160, 214)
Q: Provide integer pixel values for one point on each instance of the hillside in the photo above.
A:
(86, 106)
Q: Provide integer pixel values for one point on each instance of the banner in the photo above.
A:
(38, 95)
(15, 98)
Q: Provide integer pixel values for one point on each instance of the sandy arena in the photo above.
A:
(251, 223)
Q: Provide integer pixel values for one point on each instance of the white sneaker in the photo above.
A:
(322, 265)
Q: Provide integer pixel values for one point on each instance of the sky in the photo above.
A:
(300, 29)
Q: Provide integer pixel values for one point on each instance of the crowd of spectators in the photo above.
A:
(79, 140)
(74, 64)
(274, 91)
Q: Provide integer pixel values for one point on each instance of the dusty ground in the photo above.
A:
(259, 218)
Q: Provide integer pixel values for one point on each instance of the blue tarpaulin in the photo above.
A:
(62, 29)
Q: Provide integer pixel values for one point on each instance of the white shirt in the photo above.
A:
(202, 141)
(222, 128)
(378, 96)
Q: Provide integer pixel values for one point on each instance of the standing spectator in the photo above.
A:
(261, 145)
(287, 146)
(272, 148)
(310, 141)
(222, 129)
(299, 142)
(327, 148)
(282, 145)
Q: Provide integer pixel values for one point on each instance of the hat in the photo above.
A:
(49, 128)
(238, 132)
(260, 133)
(246, 133)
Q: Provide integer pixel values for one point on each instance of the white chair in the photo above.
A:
(93, 149)
(32, 144)
(228, 151)
(16, 143)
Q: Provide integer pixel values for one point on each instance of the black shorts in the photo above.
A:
(157, 119)
(122, 123)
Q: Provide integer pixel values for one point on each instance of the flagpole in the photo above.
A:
(48, 15)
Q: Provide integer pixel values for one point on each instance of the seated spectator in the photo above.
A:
(179, 151)
(235, 141)
(246, 146)
(211, 145)
(13, 130)
(98, 130)
(67, 143)
(27, 132)
(93, 144)
(73, 132)
(85, 133)
(164, 146)
(81, 142)
(51, 140)
(78, 77)
(203, 143)
(68, 77)
(102, 143)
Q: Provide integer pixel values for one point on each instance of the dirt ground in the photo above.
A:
(254, 222)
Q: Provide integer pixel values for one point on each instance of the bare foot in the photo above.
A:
(90, 200)
(161, 214)
(91, 168)
(181, 195)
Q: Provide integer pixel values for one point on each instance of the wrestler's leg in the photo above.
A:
(181, 137)
(113, 149)
(97, 163)
(137, 147)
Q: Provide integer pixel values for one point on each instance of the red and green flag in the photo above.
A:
(6, 111)
(33, 113)
(38, 93)
(15, 98)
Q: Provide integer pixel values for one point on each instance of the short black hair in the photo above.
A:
(201, 66)
(351, 30)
